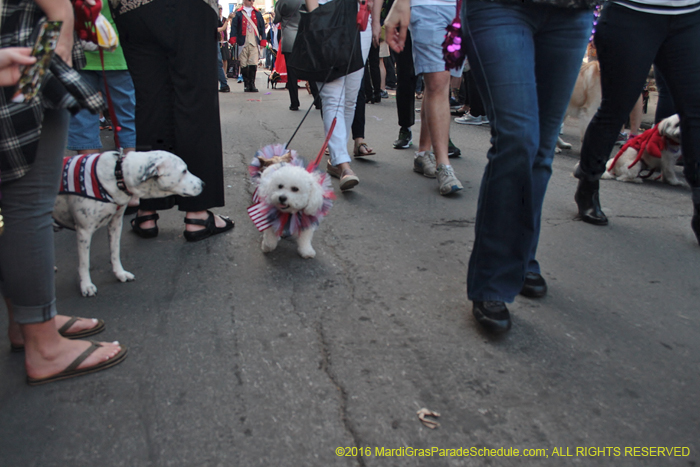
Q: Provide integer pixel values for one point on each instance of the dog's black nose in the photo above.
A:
(283, 199)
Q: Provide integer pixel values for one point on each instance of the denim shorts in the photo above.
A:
(84, 130)
(427, 28)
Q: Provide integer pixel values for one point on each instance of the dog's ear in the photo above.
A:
(315, 198)
(150, 171)
(155, 169)
(670, 127)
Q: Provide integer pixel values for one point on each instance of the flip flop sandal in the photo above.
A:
(98, 328)
(363, 147)
(209, 229)
(145, 233)
(72, 370)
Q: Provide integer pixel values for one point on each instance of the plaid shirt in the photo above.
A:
(61, 88)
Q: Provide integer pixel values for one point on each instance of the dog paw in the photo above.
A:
(88, 289)
(307, 252)
(268, 247)
(677, 182)
(124, 276)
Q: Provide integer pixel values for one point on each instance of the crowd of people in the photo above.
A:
(522, 62)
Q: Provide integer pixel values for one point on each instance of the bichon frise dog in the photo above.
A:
(657, 149)
(289, 200)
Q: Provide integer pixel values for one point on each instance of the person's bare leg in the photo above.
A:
(382, 74)
(48, 353)
(455, 83)
(436, 104)
(636, 116)
(424, 142)
(203, 215)
(14, 332)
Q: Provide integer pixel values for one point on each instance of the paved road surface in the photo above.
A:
(243, 359)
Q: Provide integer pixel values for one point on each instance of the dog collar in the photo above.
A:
(119, 174)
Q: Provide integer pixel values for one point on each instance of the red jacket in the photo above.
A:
(239, 26)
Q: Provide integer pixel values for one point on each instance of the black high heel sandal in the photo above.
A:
(209, 229)
(145, 233)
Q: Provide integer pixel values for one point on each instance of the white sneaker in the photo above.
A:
(424, 163)
(447, 180)
(468, 119)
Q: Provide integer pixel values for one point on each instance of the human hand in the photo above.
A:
(396, 24)
(376, 30)
(10, 60)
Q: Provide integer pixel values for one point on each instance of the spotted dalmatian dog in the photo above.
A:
(96, 188)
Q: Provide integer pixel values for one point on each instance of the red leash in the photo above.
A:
(317, 161)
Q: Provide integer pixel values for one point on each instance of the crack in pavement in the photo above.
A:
(326, 367)
(454, 223)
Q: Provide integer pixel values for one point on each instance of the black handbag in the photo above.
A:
(327, 45)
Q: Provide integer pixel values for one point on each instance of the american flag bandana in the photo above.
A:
(80, 178)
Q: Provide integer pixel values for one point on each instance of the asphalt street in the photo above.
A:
(240, 358)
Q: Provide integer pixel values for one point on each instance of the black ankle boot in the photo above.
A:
(252, 69)
(695, 223)
(588, 203)
(246, 80)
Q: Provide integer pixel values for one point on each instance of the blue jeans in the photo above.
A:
(627, 42)
(27, 277)
(84, 131)
(525, 60)
(223, 82)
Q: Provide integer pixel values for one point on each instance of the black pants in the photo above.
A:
(405, 85)
(358, 121)
(177, 103)
(390, 80)
(292, 85)
(627, 42)
(476, 107)
(373, 77)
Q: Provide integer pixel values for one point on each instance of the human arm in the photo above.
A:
(10, 60)
(61, 10)
(234, 28)
(311, 5)
(376, 21)
(396, 24)
(225, 25)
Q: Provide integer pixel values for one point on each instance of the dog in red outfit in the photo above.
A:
(655, 150)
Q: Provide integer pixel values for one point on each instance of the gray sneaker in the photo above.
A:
(424, 163)
(447, 180)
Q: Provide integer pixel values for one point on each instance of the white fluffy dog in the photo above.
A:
(657, 149)
(290, 201)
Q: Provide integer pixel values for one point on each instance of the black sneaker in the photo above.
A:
(454, 103)
(535, 286)
(225, 89)
(493, 316)
(452, 150)
(384, 94)
(405, 139)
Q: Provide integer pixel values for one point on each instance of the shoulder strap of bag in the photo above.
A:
(257, 34)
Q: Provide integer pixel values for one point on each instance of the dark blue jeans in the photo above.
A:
(525, 60)
(223, 82)
(628, 42)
